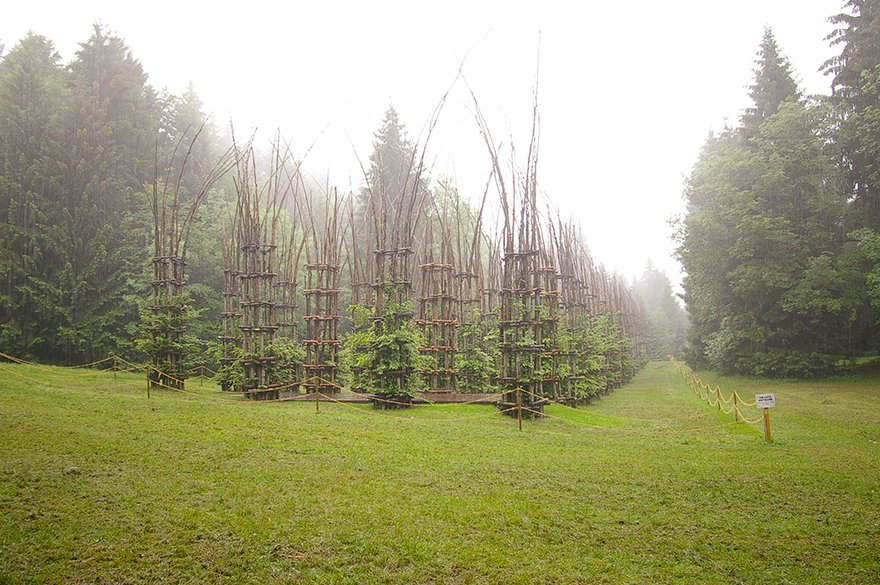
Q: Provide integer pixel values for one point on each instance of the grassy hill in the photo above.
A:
(99, 484)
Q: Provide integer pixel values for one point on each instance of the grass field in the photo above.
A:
(99, 484)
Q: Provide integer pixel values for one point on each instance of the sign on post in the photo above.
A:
(766, 402)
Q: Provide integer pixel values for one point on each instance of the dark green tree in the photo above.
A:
(773, 85)
(855, 95)
(760, 240)
(109, 132)
(32, 91)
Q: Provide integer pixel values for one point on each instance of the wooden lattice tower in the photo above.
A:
(393, 286)
(321, 340)
(568, 324)
(259, 210)
(168, 325)
(286, 285)
(547, 328)
(396, 208)
(469, 281)
(174, 212)
(360, 263)
(360, 233)
(437, 310)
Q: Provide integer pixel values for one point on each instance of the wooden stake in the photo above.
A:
(767, 425)
(317, 404)
(735, 408)
(519, 407)
(114, 367)
(718, 396)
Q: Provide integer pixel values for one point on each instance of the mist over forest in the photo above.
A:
(779, 242)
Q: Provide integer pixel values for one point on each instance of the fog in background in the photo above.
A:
(627, 93)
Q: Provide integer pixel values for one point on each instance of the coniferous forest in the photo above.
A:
(780, 241)
(79, 145)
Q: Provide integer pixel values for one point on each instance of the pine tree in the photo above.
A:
(395, 184)
(109, 136)
(773, 85)
(856, 96)
(760, 240)
(31, 93)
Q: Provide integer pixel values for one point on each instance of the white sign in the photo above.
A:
(765, 400)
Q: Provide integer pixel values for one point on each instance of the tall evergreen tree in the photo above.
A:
(773, 85)
(109, 136)
(32, 90)
(393, 174)
(760, 240)
(856, 96)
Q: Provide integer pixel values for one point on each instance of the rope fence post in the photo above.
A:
(519, 407)
(718, 396)
(735, 408)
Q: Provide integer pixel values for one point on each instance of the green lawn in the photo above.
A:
(99, 484)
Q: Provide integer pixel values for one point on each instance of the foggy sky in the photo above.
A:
(627, 92)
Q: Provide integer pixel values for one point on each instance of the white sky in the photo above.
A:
(628, 91)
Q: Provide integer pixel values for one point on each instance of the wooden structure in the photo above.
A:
(437, 318)
(174, 211)
(321, 340)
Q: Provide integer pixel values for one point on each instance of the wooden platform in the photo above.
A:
(421, 398)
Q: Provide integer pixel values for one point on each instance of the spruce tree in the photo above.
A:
(773, 85)
(856, 97)
(109, 129)
(760, 240)
(32, 90)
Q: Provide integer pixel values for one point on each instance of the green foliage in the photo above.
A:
(869, 247)
(288, 367)
(855, 83)
(229, 373)
(383, 359)
(476, 368)
(167, 332)
(393, 356)
(767, 277)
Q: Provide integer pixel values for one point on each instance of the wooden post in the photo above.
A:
(767, 436)
(202, 375)
(718, 396)
(735, 408)
(519, 407)
(114, 367)
(317, 404)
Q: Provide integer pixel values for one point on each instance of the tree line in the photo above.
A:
(79, 145)
(780, 241)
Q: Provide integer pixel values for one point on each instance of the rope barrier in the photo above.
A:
(720, 401)
(36, 365)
